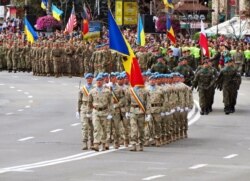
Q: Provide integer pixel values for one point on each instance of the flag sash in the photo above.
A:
(85, 91)
(137, 99)
(114, 96)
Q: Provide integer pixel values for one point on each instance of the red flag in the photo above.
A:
(71, 22)
(135, 74)
(203, 41)
(85, 27)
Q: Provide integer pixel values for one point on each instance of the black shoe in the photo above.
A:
(227, 112)
(202, 113)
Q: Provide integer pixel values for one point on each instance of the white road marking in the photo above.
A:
(58, 161)
(242, 94)
(12, 87)
(26, 171)
(30, 97)
(51, 81)
(25, 139)
(9, 113)
(75, 124)
(197, 166)
(56, 130)
(191, 113)
(28, 106)
(76, 86)
(153, 177)
(230, 156)
(197, 116)
(31, 101)
(14, 76)
(20, 110)
(2, 84)
(26, 93)
(64, 84)
(34, 78)
(19, 90)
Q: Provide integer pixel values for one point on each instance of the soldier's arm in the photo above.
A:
(90, 102)
(79, 101)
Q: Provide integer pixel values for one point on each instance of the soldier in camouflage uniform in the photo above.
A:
(229, 81)
(118, 101)
(100, 101)
(155, 100)
(56, 54)
(85, 113)
(69, 52)
(160, 66)
(137, 116)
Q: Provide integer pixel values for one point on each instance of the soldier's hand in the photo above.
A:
(163, 114)
(88, 115)
(148, 118)
(77, 115)
(109, 117)
(127, 115)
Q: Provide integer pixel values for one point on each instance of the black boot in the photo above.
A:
(227, 110)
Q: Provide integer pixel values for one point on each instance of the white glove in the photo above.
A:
(186, 109)
(109, 117)
(167, 113)
(127, 115)
(181, 110)
(163, 114)
(148, 118)
(88, 115)
(77, 115)
(172, 111)
(178, 108)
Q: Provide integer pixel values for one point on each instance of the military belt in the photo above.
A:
(100, 108)
(156, 105)
(135, 106)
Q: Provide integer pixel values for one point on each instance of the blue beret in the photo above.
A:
(105, 74)
(119, 77)
(88, 75)
(99, 77)
(152, 77)
(112, 74)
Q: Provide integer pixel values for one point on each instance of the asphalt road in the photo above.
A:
(40, 139)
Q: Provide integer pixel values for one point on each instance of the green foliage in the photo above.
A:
(196, 36)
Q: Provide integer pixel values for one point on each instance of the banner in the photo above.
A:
(126, 12)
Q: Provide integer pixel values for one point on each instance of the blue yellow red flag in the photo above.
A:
(56, 13)
(118, 43)
(170, 31)
(140, 32)
(30, 33)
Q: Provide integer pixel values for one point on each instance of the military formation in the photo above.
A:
(112, 112)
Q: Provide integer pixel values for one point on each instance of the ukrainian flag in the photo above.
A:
(56, 12)
(29, 31)
(44, 4)
(140, 33)
(168, 4)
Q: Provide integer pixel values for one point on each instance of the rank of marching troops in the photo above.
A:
(113, 114)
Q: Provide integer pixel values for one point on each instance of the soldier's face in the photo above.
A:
(120, 81)
(89, 80)
(113, 79)
(152, 82)
(99, 83)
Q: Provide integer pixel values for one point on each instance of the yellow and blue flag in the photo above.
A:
(30, 33)
(140, 33)
(170, 31)
(44, 4)
(118, 43)
(168, 4)
(56, 13)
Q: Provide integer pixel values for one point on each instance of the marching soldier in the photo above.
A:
(229, 81)
(100, 101)
(56, 54)
(84, 112)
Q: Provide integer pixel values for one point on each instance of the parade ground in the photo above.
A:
(40, 139)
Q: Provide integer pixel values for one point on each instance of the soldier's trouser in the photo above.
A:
(87, 128)
(14, 64)
(211, 96)
(204, 98)
(149, 131)
(69, 66)
(169, 124)
(185, 120)
(28, 63)
(238, 67)
(177, 122)
(126, 127)
(56, 64)
(233, 98)
(113, 124)
(99, 123)
(9, 64)
(157, 125)
(182, 119)
(1, 63)
(247, 68)
(47, 71)
(137, 128)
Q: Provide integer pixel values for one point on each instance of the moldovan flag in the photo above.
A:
(203, 41)
(118, 43)
(170, 31)
(29, 31)
(140, 32)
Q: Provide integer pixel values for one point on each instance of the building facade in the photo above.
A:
(226, 9)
